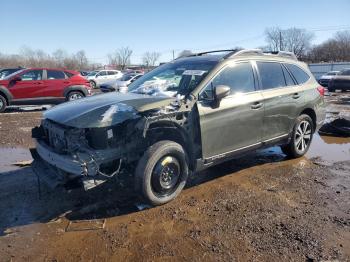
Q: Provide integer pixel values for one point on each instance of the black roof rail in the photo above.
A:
(231, 51)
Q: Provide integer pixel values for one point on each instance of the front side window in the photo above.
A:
(299, 74)
(239, 78)
(271, 75)
(177, 77)
(32, 75)
(55, 74)
(102, 73)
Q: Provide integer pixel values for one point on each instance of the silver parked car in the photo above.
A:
(120, 85)
(96, 78)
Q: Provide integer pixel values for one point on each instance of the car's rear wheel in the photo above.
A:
(93, 84)
(74, 95)
(301, 137)
(161, 173)
(3, 104)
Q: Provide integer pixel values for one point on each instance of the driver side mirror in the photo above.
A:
(16, 79)
(221, 91)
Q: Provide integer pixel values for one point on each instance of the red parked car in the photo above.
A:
(37, 86)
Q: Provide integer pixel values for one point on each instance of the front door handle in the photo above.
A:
(296, 95)
(256, 105)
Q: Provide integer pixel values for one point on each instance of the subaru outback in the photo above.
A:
(180, 118)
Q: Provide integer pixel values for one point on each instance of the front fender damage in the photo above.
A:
(95, 154)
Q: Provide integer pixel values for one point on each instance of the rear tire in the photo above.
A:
(93, 84)
(74, 95)
(3, 103)
(161, 173)
(301, 137)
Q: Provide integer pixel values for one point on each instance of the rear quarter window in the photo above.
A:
(299, 74)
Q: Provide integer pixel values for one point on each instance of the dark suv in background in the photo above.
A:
(182, 117)
(340, 82)
(37, 86)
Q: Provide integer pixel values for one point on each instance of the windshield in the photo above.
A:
(11, 75)
(177, 77)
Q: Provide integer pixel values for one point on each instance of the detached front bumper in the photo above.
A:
(57, 169)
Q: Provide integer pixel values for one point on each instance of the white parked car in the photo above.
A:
(324, 80)
(96, 78)
(120, 85)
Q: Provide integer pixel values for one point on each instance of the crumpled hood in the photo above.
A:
(105, 109)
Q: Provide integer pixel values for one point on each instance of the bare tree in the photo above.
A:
(59, 56)
(120, 57)
(150, 58)
(82, 60)
(335, 49)
(295, 40)
(184, 53)
(38, 58)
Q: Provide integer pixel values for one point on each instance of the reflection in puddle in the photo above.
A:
(330, 149)
(11, 155)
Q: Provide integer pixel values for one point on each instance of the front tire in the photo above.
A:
(3, 103)
(301, 137)
(161, 173)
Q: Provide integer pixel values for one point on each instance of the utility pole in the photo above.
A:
(173, 54)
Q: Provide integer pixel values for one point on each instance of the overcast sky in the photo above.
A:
(99, 27)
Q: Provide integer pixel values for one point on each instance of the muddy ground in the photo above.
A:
(261, 207)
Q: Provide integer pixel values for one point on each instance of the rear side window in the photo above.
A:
(299, 74)
(55, 74)
(287, 76)
(271, 75)
(112, 72)
(102, 73)
(239, 78)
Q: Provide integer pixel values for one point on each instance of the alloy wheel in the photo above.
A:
(303, 136)
(75, 96)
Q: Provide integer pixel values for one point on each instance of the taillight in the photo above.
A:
(321, 90)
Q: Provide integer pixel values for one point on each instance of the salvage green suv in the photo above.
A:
(182, 117)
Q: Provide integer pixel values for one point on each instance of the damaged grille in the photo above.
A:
(62, 139)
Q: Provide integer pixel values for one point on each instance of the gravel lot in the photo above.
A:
(262, 207)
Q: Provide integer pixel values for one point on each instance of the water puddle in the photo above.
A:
(11, 155)
(330, 149)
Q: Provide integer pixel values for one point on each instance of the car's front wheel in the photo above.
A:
(3, 104)
(74, 95)
(301, 137)
(161, 173)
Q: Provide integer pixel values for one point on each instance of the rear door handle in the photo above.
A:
(256, 105)
(296, 95)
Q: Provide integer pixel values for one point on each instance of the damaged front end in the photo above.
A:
(89, 155)
(76, 149)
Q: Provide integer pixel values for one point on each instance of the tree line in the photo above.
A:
(297, 40)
